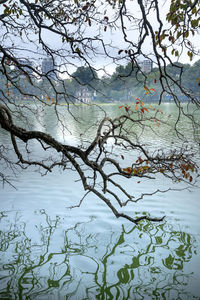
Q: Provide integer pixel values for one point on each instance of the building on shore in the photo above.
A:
(48, 67)
(84, 95)
(146, 66)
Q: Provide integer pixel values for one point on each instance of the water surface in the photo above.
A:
(49, 251)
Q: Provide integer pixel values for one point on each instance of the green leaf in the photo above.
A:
(179, 33)
(194, 23)
(186, 34)
(176, 53)
(78, 50)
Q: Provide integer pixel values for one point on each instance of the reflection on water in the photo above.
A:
(46, 259)
(83, 120)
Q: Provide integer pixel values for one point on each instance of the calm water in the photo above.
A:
(49, 251)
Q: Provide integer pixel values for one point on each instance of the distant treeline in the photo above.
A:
(124, 85)
(127, 83)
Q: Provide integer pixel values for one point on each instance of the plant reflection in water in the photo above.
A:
(47, 261)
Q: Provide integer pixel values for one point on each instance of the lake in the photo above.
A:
(50, 251)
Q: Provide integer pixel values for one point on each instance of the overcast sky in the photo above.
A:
(113, 37)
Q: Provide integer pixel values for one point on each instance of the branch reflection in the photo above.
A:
(42, 259)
